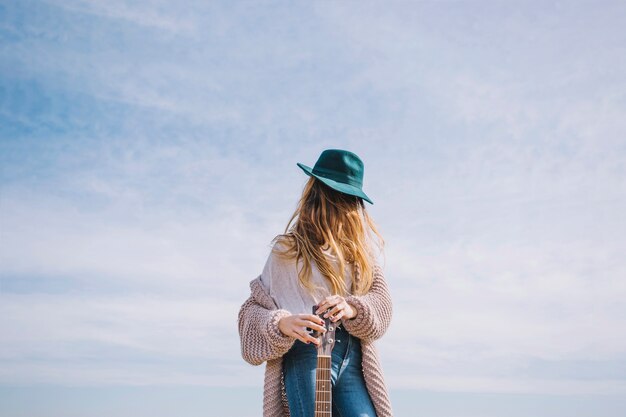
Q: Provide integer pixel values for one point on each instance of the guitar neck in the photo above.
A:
(323, 390)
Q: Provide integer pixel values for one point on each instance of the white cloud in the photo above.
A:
(72, 339)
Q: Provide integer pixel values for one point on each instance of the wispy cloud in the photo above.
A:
(151, 14)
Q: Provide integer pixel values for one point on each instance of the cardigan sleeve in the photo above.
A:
(374, 310)
(261, 339)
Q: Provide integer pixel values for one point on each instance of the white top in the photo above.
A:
(280, 277)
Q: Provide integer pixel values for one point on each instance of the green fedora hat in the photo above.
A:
(340, 170)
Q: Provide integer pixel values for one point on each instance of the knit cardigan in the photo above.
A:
(262, 341)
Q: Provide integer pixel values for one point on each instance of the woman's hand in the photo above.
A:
(339, 308)
(296, 324)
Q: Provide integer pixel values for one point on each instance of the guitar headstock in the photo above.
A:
(327, 340)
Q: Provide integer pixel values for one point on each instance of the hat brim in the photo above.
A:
(339, 186)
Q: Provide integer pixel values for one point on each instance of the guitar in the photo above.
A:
(323, 389)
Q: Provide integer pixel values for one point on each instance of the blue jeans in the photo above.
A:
(349, 394)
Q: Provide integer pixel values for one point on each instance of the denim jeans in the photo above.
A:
(349, 394)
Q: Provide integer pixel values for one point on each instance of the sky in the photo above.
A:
(148, 156)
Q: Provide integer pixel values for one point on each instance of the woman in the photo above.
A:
(324, 259)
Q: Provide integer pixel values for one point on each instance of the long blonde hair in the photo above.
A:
(326, 217)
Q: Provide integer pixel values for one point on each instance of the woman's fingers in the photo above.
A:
(324, 304)
(335, 309)
(338, 316)
(340, 307)
(304, 336)
(311, 324)
(312, 317)
(337, 312)
(297, 325)
(328, 302)
(308, 338)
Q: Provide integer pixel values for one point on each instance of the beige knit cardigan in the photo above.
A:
(262, 341)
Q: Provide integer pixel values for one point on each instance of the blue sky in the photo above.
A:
(148, 156)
